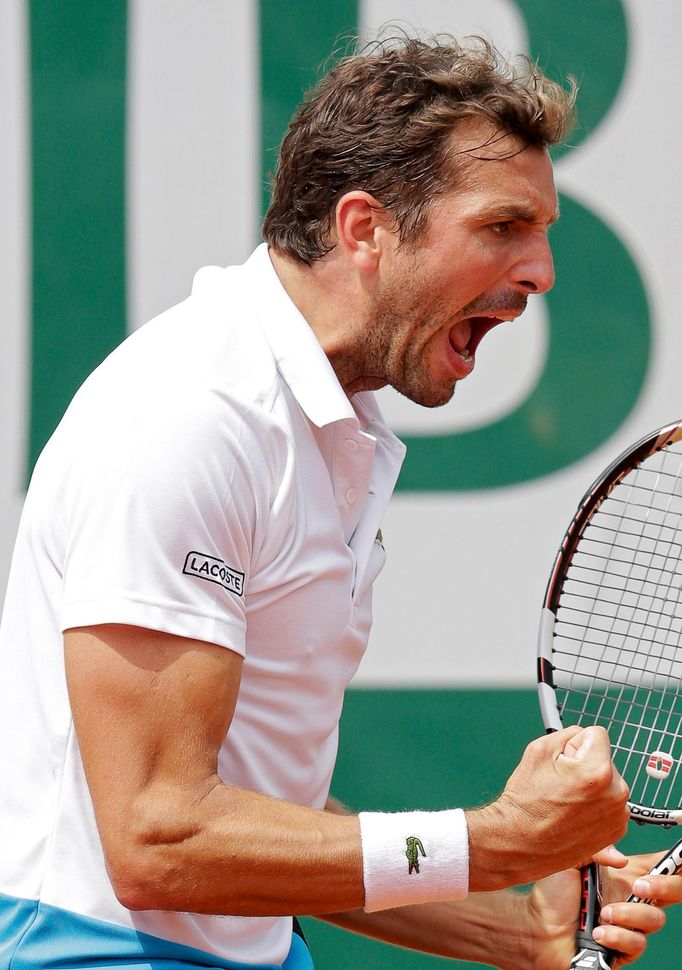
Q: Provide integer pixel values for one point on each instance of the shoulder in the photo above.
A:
(195, 388)
(206, 357)
(211, 342)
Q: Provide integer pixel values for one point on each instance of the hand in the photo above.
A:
(563, 803)
(620, 880)
(554, 904)
(620, 920)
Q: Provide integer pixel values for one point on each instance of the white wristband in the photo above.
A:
(414, 857)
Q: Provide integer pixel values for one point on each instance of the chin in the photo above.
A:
(429, 397)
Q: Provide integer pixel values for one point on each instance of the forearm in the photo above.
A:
(202, 846)
(488, 928)
(230, 851)
(213, 848)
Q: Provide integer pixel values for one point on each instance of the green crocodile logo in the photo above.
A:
(414, 847)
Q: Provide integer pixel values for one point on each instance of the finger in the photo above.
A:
(558, 740)
(628, 943)
(591, 745)
(646, 861)
(611, 856)
(633, 916)
(590, 748)
(663, 889)
(565, 741)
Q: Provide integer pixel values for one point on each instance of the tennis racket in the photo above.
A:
(610, 643)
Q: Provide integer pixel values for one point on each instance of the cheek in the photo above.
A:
(467, 274)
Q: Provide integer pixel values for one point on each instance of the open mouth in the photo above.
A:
(466, 335)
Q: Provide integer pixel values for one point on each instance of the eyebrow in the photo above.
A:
(518, 212)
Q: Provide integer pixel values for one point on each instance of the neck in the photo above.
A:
(328, 300)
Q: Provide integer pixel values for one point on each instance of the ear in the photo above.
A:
(363, 229)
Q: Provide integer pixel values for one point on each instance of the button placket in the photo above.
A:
(353, 454)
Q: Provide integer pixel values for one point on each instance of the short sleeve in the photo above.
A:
(160, 516)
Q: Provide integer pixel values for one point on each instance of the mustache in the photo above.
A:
(505, 302)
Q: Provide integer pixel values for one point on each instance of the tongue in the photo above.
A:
(460, 335)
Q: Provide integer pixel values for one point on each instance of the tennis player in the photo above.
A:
(191, 588)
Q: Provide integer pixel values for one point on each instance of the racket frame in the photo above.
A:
(589, 954)
(590, 502)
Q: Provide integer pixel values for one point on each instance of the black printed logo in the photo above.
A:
(215, 571)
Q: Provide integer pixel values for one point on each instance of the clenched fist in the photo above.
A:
(564, 803)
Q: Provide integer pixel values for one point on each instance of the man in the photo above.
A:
(191, 588)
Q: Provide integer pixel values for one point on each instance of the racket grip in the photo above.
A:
(589, 954)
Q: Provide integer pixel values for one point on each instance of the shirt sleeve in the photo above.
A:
(160, 517)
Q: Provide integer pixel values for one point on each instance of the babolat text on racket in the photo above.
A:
(610, 644)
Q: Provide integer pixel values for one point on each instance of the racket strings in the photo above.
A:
(652, 479)
(602, 572)
(618, 656)
(654, 555)
(627, 743)
(634, 654)
(661, 614)
(669, 501)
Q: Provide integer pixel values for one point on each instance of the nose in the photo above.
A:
(534, 273)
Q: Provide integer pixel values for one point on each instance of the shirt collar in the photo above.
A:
(300, 358)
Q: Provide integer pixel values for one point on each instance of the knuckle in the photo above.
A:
(537, 744)
(628, 942)
(637, 944)
(657, 917)
(597, 732)
(619, 826)
(534, 751)
(601, 775)
(659, 887)
(623, 789)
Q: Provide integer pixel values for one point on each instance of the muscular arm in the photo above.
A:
(151, 711)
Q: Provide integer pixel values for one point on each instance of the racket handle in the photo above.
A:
(589, 954)
(667, 865)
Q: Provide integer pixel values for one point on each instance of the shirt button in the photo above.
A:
(351, 495)
(352, 444)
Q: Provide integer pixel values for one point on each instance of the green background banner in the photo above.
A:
(78, 74)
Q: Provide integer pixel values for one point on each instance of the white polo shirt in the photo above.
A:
(211, 480)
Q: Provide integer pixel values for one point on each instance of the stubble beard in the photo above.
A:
(395, 351)
(406, 364)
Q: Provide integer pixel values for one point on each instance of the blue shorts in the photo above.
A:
(35, 936)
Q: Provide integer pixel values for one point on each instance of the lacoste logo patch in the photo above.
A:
(414, 847)
(214, 571)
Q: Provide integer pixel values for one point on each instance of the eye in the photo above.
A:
(501, 228)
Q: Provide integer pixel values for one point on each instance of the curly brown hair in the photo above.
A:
(382, 121)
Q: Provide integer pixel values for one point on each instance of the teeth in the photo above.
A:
(465, 354)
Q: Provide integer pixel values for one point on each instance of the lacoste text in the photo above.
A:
(214, 571)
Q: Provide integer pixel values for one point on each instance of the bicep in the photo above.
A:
(151, 711)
